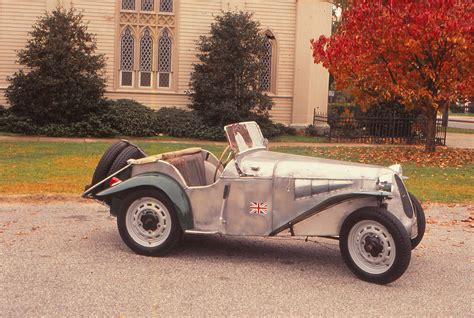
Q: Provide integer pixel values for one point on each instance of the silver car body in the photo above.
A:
(260, 192)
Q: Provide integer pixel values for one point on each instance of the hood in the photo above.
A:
(274, 164)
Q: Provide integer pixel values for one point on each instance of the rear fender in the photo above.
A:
(161, 182)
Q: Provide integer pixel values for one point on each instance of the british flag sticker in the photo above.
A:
(260, 208)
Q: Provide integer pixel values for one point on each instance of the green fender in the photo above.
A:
(166, 184)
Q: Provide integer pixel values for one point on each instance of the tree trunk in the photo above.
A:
(430, 145)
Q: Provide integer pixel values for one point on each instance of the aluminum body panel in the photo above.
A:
(265, 163)
(291, 185)
(239, 220)
(329, 221)
(230, 170)
(206, 203)
(159, 166)
(288, 204)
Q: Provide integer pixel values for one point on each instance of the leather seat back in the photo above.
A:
(191, 168)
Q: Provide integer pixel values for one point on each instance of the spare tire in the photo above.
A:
(108, 158)
(131, 152)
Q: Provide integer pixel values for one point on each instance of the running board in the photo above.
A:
(201, 232)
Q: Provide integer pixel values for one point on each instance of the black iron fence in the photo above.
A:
(393, 128)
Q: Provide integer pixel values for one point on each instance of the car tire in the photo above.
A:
(420, 221)
(148, 223)
(130, 152)
(375, 245)
(107, 160)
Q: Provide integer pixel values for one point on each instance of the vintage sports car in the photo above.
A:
(258, 192)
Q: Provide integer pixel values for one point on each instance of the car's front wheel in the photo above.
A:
(148, 223)
(375, 245)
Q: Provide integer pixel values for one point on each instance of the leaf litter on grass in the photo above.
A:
(443, 157)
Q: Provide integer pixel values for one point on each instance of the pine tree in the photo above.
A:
(225, 85)
(62, 78)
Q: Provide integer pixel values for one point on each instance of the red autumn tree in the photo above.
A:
(419, 53)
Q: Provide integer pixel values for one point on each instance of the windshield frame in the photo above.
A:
(245, 137)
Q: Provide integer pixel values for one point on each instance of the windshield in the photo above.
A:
(244, 136)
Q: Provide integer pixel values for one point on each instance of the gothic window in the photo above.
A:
(128, 4)
(145, 48)
(166, 5)
(147, 5)
(127, 43)
(164, 60)
(268, 64)
(146, 53)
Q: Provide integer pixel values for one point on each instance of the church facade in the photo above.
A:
(150, 46)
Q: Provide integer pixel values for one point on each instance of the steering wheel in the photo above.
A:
(222, 163)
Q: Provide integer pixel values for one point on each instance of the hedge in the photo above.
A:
(130, 118)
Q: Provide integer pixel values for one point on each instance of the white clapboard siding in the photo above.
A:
(280, 18)
(193, 18)
(16, 19)
(101, 16)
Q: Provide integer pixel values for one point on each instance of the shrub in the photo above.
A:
(353, 120)
(311, 131)
(225, 85)
(271, 129)
(457, 108)
(62, 82)
(3, 111)
(17, 125)
(92, 127)
(129, 118)
(178, 122)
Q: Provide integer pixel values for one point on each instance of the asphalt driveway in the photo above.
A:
(65, 258)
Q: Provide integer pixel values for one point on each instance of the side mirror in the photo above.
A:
(265, 142)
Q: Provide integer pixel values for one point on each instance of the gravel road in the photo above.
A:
(65, 258)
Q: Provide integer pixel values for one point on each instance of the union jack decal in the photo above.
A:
(258, 208)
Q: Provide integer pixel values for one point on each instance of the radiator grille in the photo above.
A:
(407, 206)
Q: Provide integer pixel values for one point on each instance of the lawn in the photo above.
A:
(460, 130)
(466, 114)
(65, 167)
(299, 138)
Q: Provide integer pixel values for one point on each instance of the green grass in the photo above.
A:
(460, 130)
(449, 184)
(65, 167)
(298, 138)
(462, 114)
(60, 167)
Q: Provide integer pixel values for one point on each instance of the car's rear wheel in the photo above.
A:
(148, 223)
(420, 221)
(375, 245)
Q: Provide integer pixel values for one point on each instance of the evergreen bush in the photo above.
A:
(61, 81)
(225, 84)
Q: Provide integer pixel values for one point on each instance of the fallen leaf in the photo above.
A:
(431, 221)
